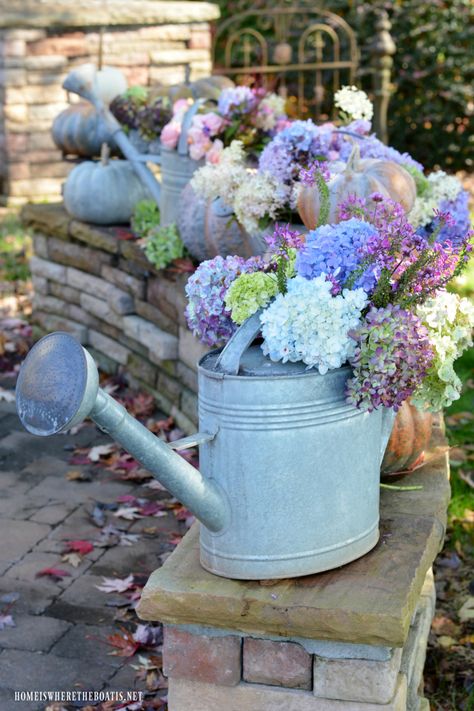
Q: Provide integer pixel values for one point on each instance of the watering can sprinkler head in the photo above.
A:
(58, 387)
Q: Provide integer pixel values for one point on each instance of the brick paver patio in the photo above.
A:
(59, 641)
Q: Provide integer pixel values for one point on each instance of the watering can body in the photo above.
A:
(300, 468)
(290, 473)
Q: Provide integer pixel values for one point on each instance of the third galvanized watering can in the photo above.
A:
(289, 481)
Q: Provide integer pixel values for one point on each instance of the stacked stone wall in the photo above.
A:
(150, 49)
(98, 286)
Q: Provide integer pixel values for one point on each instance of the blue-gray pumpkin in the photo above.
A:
(103, 192)
(80, 131)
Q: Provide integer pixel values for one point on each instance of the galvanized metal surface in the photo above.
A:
(299, 465)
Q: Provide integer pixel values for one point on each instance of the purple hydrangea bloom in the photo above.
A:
(206, 313)
(240, 98)
(299, 145)
(337, 251)
(392, 356)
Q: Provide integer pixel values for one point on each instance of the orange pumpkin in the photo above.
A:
(410, 436)
(360, 177)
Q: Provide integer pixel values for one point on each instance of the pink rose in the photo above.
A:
(180, 107)
(199, 143)
(170, 134)
(214, 123)
(214, 154)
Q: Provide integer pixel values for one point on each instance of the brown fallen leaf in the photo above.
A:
(76, 475)
(442, 625)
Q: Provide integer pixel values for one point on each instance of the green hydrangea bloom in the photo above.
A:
(248, 293)
(449, 320)
(163, 245)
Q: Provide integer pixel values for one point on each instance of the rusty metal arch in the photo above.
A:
(279, 22)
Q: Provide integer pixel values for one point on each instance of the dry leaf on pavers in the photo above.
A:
(80, 546)
(130, 513)
(112, 536)
(6, 621)
(148, 636)
(466, 612)
(97, 514)
(116, 584)
(149, 671)
(7, 395)
(77, 475)
(54, 573)
(442, 625)
(125, 644)
(72, 558)
(101, 450)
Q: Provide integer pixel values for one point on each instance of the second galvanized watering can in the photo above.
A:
(289, 481)
(177, 167)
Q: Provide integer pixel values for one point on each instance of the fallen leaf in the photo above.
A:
(442, 625)
(466, 612)
(10, 598)
(125, 645)
(77, 475)
(55, 573)
(7, 395)
(6, 621)
(446, 642)
(148, 635)
(101, 450)
(82, 547)
(116, 584)
(452, 561)
(72, 558)
(469, 639)
(130, 513)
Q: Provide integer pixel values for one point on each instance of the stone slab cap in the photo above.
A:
(94, 13)
(370, 601)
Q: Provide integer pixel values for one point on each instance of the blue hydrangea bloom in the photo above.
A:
(337, 250)
(459, 211)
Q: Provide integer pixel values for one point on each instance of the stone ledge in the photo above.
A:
(95, 13)
(370, 601)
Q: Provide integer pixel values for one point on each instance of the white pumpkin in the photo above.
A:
(360, 177)
(104, 192)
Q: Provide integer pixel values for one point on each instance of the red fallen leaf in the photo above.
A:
(125, 644)
(82, 547)
(124, 233)
(55, 573)
(181, 266)
(175, 538)
(151, 508)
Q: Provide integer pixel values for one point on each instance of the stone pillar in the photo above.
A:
(151, 42)
(351, 639)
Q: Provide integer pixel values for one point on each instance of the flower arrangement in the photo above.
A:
(142, 113)
(253, 116)
(368, 292)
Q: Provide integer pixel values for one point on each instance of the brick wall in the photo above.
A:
(35, 60)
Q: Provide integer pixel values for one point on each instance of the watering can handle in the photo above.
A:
(229, 359)
(187, 120)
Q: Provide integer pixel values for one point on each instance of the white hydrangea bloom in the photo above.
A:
(441, 187)
(450, 321)
(270, 108)
(222, 179)
(259, 195)
(354, 102)
(309, 324)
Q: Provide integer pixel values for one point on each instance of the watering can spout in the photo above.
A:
(58, 387)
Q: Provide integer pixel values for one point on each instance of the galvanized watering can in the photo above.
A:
(176, 165)
(289, 481)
